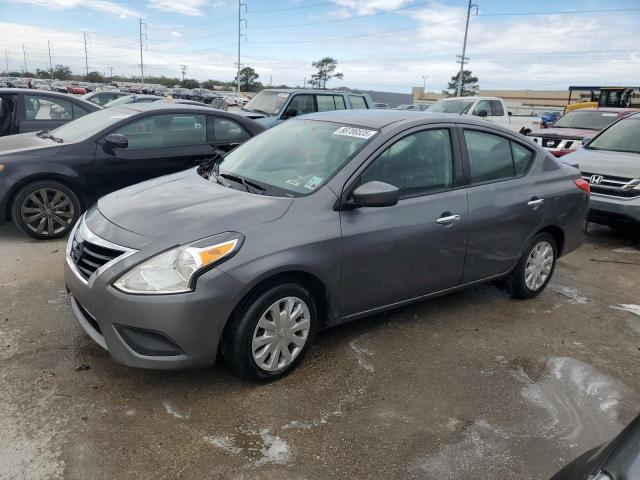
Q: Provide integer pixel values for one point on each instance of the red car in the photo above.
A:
(567, 133)
(76, 89)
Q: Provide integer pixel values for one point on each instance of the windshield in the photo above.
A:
(296, 157)
(624, 136)
(589, 120)
(451, 106)
(91, 124)
(269, 103)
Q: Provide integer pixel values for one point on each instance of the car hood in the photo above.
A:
(26, 142)
(577, 133)
(184, 207)
(605, 162)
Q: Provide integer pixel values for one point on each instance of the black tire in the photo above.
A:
(57, 222)
(237, 339)
(516, 280)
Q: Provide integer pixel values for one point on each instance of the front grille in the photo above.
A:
(610, 185)
(550, 142)
(89, 257)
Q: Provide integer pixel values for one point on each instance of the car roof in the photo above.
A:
(378, 119)
(312, 90)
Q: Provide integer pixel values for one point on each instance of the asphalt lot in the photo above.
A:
(471, 385)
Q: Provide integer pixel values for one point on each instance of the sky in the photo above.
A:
(388, 45)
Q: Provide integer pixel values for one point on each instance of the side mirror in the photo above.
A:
(116, 140)
(482, 113)
(289, 114)
(375, 194)
(585, 141)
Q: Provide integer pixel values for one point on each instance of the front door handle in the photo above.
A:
(535, 202)
(448, 219)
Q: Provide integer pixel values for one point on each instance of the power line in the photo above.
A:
(559, 12)
(301, 7)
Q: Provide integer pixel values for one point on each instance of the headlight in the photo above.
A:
(173, 271)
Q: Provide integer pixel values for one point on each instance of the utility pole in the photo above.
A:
(304, 83)
(240, 34)
(24, 54)
(50, 62)
(86, 55)
(424, 83)
(184, 71)
(464, 47)
(6, 59)
(270, 80)
(110, 72)
(142, 35)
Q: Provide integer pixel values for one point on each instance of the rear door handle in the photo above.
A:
(448, 219)
(535, 202)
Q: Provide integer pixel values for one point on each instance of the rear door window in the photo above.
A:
(340, 103)
(357, 101)
(326, 103)
(522, 158)
(489, 156)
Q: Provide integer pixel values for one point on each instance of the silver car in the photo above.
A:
(610, 162)
(318, 221)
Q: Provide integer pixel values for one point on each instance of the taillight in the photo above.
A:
(582, 185)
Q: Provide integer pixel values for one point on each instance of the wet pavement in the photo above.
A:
(471, 385)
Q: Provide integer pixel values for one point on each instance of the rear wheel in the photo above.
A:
(270, 335)
(45, 209)
(535, 267)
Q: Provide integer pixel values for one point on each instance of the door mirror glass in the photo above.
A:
(116, 140)
(375, 194)
(290, 113)
(585, 140)
(482, 113)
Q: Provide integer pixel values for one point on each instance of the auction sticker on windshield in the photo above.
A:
(355, 132)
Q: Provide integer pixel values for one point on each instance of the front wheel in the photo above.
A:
(270, 335)
(535, 267)
(45, 209)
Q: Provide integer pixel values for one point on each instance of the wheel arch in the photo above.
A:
(558, 235)
(308, 280)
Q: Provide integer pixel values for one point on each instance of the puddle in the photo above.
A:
(578, 401)
(571, 294)
(171, 410)
(259, 447)
(573, 408)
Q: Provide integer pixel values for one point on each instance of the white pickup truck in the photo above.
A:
(490, 108)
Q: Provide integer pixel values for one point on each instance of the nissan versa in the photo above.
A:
(318, 221)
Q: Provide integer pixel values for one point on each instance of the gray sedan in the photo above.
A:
(319, 221)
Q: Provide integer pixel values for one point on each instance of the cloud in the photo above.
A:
(366, 7)
(103, 6)
(192, 8)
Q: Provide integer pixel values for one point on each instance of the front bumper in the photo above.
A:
(192, 322)
(614, 211)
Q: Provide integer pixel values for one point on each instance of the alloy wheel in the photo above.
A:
(281, 334)
(538, 266)
(47, 211)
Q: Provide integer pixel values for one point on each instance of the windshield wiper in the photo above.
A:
(46, 134)
(250, 186)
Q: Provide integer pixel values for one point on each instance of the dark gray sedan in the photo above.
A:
(321, 220)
